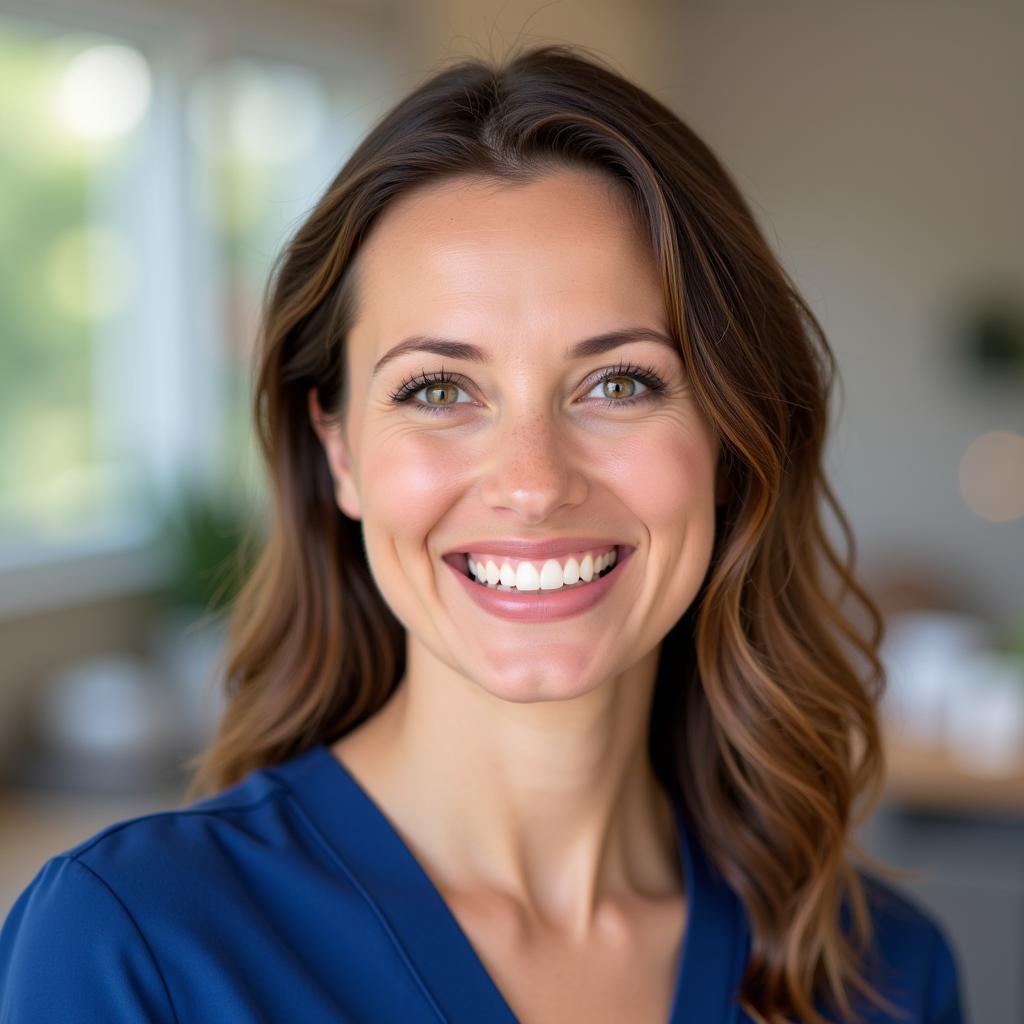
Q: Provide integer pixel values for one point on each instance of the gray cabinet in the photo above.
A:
(972, 879)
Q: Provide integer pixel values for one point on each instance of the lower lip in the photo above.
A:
(541, 605)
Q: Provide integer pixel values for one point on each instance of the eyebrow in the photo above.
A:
(594, 346)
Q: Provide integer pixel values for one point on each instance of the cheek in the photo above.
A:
(669, 487)
(664, 477)
(668, 480)
(409, 483)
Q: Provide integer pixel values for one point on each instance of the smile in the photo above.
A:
(537, 602)
(524, 575)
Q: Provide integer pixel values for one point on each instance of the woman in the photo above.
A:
(540, 706)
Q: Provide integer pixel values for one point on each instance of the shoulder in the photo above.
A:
(143, 860)
(87, 930)
(202, 831)
(151, 849)
(914, 959)
(69, 941)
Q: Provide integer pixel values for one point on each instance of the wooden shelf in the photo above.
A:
(932, 778)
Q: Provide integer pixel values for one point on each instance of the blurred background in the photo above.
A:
(153, 159)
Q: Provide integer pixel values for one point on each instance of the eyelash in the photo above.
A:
(645, 374)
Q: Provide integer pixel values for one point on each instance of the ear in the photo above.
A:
(338, 460)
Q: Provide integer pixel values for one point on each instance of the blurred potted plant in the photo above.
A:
(988, 336)
(209, 555)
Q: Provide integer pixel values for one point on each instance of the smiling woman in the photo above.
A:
(541, 703)
(536, 438)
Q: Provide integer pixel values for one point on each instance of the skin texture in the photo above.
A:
(512, 757)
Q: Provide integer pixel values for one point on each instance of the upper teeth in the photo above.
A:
(548, 575)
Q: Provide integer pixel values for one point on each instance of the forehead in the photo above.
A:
(560, 255)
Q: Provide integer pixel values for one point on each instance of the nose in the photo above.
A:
(533, 470)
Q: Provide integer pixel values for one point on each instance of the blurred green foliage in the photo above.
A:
(990, 336)
(43, 195)
(205, 537)
(1013, 641)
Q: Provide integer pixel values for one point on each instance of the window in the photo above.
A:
(146, 186)
(78, 119)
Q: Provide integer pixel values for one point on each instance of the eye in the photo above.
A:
(436, 383)
(647, 376)
(442, 382)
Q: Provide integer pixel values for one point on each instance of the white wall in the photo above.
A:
(882, 146)
(632, 35)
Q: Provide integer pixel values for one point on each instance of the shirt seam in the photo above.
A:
(371, 903)
(138, 930)
(176, 811)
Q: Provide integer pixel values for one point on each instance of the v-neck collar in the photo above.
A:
(377, 858)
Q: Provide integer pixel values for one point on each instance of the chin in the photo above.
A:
(530, 684)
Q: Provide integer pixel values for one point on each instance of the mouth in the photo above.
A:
(580, 576)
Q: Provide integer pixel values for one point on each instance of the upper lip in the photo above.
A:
(531, 549)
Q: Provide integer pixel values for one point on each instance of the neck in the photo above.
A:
(550, 803)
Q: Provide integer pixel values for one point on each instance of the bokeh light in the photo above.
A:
(992, 476)
(254, 112)
(103, 92)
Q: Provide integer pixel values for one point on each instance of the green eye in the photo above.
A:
(647, 376)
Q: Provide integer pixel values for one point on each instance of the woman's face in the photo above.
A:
(526, 442)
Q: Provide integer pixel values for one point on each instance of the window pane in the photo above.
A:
(258, 133)
(74, 108)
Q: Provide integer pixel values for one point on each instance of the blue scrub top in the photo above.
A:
(290, 897)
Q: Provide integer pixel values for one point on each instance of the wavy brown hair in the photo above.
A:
(764, 720)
